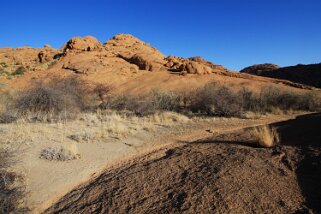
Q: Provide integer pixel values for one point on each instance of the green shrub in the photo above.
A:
(19, 71)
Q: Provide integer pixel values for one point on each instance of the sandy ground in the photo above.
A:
(110, 141)
(224, 173)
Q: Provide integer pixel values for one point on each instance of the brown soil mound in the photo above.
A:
(303, 74)
(224, 174)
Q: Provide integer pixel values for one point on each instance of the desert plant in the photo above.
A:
(165, 101)
(102, 91)
(59, 98)
(168, 117)
(248, 99)
(11, 191)
(19, 71)
(273, 97)
(139, 105)
(217, 100)
(62, 153)
(266, 136)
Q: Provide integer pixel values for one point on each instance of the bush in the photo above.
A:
(19, 71)
(166, 101)
(140, 105)
(147, 104)
(102, 91)
(11, 192)
(62, 153)
(272, 97)
(56, 99)
(249, 100)
(217, 100)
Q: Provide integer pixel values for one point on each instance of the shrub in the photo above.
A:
(138, 104)
(62, 153)
(272, 97)
(266, 136)
(19, 71)
(165, 101)
(12, 192)
(217, 100)
(249, 100)
(56, 99)
(147, 104)
(102, 91)
(168, 118)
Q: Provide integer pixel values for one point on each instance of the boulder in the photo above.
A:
(144, 62)
(187, 65)
(87, 43)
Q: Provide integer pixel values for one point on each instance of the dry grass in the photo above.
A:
(118, 129)
(63, 153)
(168, 118)
(11, 188)
(266, 137)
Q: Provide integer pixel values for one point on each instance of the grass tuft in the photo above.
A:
(266, 136)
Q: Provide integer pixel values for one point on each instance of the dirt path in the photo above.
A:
(47, 181)
(222, 173)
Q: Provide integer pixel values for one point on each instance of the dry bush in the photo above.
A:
(266, 136)
(11, 191)
(60, 98)
(62, 153)
(83, 138)
(277, 100)
(217, 100)
(137, 104)
(168, 118)
(146, 104)
(249, 100)
(140, 105)
(272, 97)
(166, 101)
(103, 91)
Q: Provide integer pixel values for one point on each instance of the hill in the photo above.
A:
(303, 74)
(124, 61)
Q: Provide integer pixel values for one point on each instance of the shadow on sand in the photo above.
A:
(304, 132)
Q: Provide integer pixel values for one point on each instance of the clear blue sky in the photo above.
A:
(234, 33)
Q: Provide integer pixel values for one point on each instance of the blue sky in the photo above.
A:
(234, 33)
